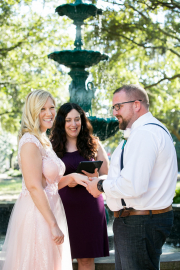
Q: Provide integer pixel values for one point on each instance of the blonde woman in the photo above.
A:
(37, 235)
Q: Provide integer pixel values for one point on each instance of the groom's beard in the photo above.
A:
(123, 123)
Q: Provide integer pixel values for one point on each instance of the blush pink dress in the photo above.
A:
(28, 244)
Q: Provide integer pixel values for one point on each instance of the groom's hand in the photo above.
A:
(92, 187)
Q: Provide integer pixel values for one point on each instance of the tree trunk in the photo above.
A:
(10, 159)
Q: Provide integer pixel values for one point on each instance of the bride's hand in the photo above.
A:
(57, 235)
(80, 179)
(72, 184)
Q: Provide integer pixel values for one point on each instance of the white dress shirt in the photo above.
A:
(148, 179)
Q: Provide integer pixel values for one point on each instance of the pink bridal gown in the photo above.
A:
(28, 244)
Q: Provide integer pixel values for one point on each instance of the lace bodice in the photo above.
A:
(52, 166)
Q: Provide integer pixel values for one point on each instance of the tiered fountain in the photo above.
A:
(78, 60)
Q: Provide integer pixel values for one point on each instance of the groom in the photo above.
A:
(140, 184)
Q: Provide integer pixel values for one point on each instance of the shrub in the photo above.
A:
(177, 195)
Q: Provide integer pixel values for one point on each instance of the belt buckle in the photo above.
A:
(124, 212)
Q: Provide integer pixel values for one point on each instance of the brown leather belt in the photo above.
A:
(132, 212)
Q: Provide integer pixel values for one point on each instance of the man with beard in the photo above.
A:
(140, 184)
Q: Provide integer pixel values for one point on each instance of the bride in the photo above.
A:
(37, 236)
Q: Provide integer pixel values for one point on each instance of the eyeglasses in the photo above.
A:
(117, 106)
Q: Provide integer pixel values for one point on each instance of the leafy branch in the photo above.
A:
(165, 78)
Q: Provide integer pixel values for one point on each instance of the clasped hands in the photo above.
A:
(92, 183)
(88, 180)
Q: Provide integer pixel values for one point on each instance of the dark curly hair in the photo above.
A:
(86, 142)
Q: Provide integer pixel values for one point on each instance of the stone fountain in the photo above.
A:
(78, 60)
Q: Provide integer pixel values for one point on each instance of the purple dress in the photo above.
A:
(85, 215)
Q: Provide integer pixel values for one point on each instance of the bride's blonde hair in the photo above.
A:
(30, 116)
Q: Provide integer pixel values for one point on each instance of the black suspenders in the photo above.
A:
(122, 153)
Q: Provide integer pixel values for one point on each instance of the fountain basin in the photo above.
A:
(78, 58)
(104, 127)
(78, 11)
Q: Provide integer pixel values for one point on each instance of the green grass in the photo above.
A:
(13, 185)
(10, 189)
(10, 186)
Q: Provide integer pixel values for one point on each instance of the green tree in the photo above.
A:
(141, 38)
(27, 37)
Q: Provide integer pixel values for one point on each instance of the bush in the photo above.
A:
(14, 173)
(177, 195)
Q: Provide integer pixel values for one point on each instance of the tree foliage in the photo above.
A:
(142, 39)
(28, 35)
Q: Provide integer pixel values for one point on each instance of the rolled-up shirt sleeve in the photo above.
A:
(139, 158)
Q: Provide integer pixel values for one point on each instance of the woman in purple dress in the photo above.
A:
(72, 140)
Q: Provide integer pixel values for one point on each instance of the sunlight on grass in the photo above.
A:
(8, 186)
(10, 189)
